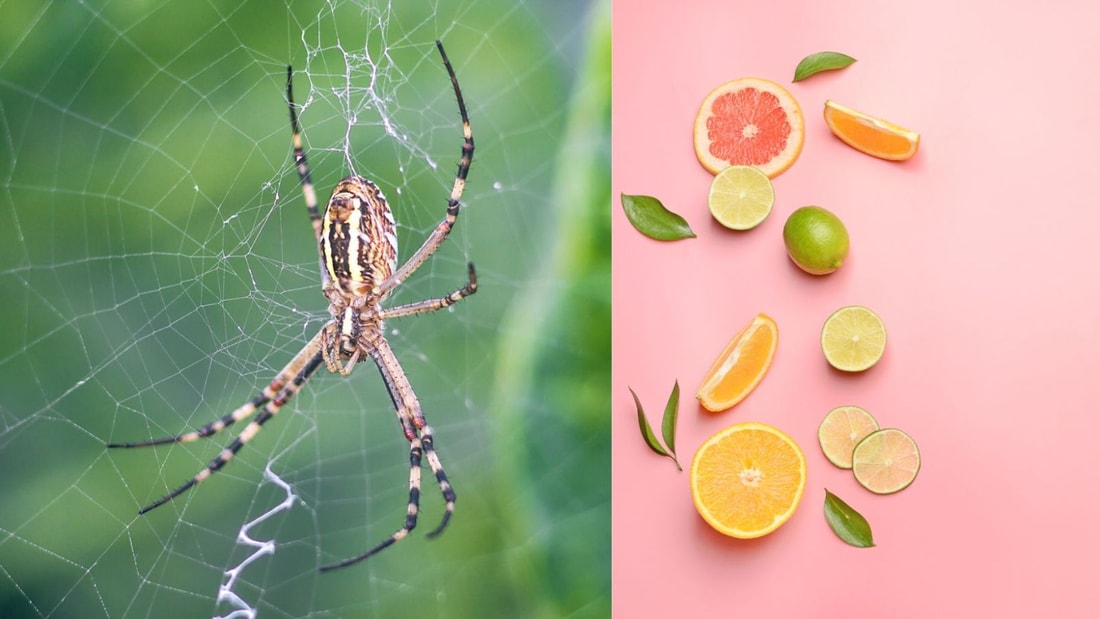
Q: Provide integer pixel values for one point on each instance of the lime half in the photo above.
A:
(853, 338)
(841, 430)
(886, 461)
(741, 197)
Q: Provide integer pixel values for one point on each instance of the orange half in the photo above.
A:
(871, 135)
(748, 479)
(741, 365)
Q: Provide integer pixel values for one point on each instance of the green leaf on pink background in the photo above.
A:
(821, 61)
(848, 524)
(652, 219)
(668, 426)
(668, 422)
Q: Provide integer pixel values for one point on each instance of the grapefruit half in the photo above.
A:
(749, 121)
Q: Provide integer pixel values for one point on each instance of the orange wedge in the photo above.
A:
(748, 479)
(871, 135)
(741, 365)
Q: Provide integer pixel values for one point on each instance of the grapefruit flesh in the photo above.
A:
(749, 121)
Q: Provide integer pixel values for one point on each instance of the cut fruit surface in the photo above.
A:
(886, 461)
(853, 338)
(871, 135)
(749, 121)
(748, 479)
(741, 365)
(841, 430)
(741, 197)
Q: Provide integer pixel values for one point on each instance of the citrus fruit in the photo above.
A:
(741, 365)
(741, 197)
(871, 135)
(886, 461)
(853, 338)
(748, 479)
(749, 121)
(840, 431)
(816, 240)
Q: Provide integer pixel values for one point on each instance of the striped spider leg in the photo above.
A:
(357, 242)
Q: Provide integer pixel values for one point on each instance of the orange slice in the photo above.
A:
(741, 365)
(748, 479)
(871, 135)
(749, 121)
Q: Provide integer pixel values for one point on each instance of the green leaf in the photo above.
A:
(668, 425)
(821, 61)
(848, 524)
(647, 432)
(652, 219)
(668, 422)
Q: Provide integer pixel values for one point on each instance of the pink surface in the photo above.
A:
(980, 255)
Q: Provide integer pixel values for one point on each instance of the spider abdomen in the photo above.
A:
(358, 237)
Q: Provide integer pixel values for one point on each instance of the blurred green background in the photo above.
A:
(157, 268)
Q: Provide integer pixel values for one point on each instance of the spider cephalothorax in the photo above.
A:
(357, 240)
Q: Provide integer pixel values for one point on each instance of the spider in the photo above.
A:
(357, 240)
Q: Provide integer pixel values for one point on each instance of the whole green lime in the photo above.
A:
(816, 240)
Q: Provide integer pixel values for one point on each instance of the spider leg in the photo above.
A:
(244, 412)
(433, 305)
(421, 443)
(439, 234)
(440, 480)
(309, 193)
(415, 453)
(289, 381)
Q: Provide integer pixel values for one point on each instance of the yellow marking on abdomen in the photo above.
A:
(355, 240)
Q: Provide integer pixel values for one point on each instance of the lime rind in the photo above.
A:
(816, 240)
(838, 445)
(886, 473)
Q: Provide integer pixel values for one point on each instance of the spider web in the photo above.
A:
(158, 268)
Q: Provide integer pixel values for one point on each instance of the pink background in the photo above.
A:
(980, 254)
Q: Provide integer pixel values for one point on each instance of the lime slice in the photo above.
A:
(853, 338)
(741, 197)
(886, 461)
(840, 431)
